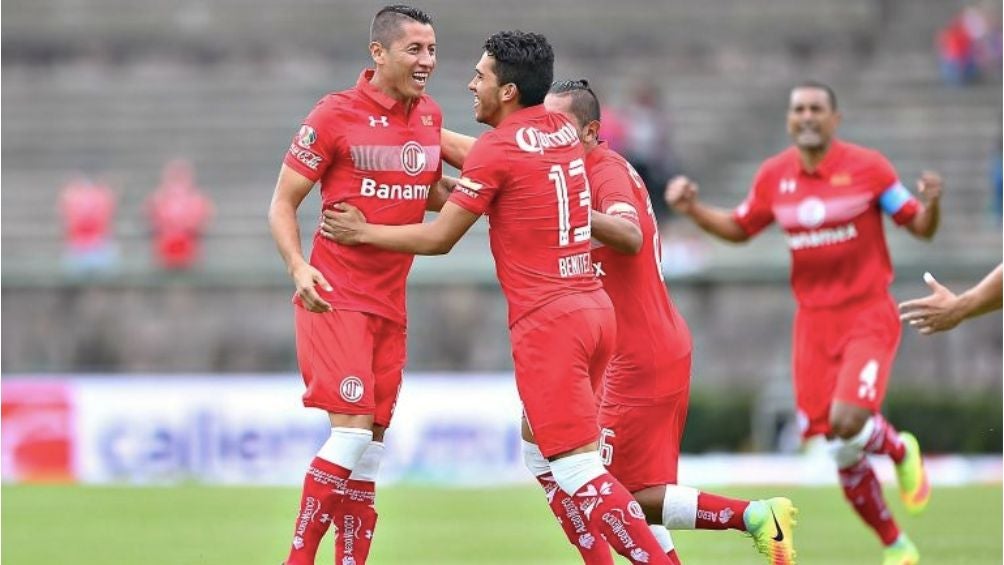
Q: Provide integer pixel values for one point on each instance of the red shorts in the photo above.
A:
(351, 361)
(640, 442)
(559, 350)
(843, 354)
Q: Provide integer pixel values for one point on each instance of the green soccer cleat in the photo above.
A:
(901, 552)
(770, 523)
(914, 487)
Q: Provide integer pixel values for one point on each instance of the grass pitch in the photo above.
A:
(57, 525)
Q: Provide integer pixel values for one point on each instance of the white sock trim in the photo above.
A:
(345, 446)
(573, 472)
(369, 463)
(847, 452)
(535, 460)
(662, 536)
(679, 508)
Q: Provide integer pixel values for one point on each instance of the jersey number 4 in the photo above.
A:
(579, 231)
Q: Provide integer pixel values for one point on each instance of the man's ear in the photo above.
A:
(510, 93)
(378, 53)
(592, 131)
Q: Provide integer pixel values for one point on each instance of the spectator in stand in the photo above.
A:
(178, 212)
(646, 141)
(969, 45)
(87, 209)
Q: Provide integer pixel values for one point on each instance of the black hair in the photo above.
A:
(585, 105)
(822, 86)
(387, 23)
(524, 59)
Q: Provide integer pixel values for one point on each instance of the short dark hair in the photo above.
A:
(387, 23)
(821, 86)
(524, 59)
(585, 105)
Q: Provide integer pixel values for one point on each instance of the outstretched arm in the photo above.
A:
(347, 225)
(455, 147)
(943, 310)
(681, 196)
(620, 234)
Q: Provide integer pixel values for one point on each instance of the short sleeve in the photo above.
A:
(755, 212)
(613, 186)
(483, 175)
(312, 149)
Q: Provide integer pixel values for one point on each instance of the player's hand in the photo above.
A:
(306, 278)
(681, 194)
(929, 186)
(937, 312)
(343, 224)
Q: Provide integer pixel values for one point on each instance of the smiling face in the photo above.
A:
(812, 120)
(404, 66)
(487, 92)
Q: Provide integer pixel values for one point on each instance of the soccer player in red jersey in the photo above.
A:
(828, 196)
(644, 394)
(528, 175)
(376, 145)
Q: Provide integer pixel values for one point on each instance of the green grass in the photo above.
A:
(45, 525)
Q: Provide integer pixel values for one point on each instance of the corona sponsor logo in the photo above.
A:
(532, 140)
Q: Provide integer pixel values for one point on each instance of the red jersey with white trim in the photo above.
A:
(832, 219)
(366, 150)
(529, 176)
(651, 333)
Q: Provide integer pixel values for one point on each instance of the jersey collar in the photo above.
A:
(375, 94)
(829, 162)
(528, 113)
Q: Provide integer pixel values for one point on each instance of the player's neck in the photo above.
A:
(406, 101)
(505, 110)
(811, 158)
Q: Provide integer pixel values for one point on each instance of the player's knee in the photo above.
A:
(846, 424)
(535, 460)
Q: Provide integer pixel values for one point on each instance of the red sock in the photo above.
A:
(885, 440)
(674, 559)
(355, 517)
(588, 540)
(616, 514)
(863, 491)
(720, 513)
(322, 487)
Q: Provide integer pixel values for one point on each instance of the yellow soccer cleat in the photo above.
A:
(914, 487)
(901, 552)
(771, 523)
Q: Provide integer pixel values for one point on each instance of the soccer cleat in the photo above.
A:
(901, 552)
(771, 523)
(914, 487)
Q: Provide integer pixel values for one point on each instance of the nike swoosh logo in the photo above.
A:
(780, 534)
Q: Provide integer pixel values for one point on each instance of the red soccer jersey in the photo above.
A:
(368, 151)
(832, 219)
(529, 176)
(651, 333)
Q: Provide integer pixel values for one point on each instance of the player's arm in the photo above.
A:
(925, 223)
(440, 193)
(943, 310)
(681, 196)
(348, 226)
(455, 147)
(290, 190)
(618, 233)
